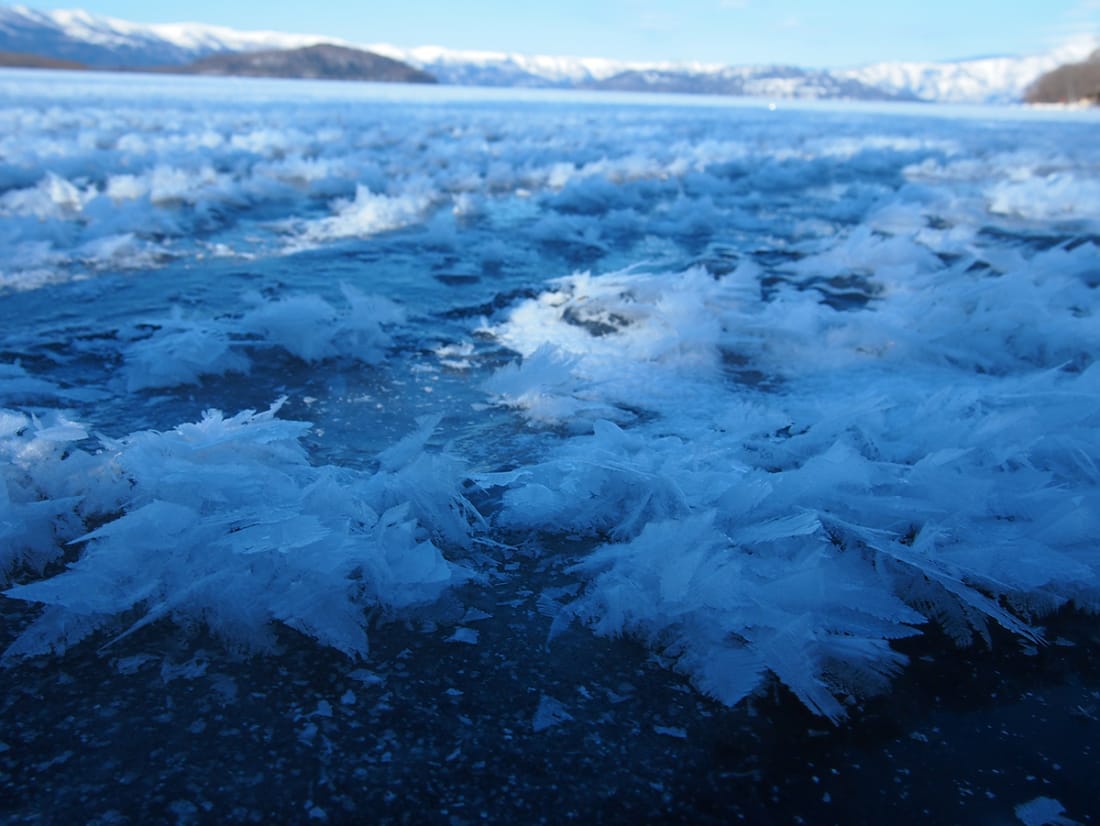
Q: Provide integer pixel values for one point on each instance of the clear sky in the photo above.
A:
(803, 32)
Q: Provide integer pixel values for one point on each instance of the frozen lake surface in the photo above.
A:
(449, 455)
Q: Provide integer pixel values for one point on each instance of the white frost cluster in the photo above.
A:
(182, 350)
(932, 459)
(40, 501)
(225, 523)
(815, 378)
(122, 176)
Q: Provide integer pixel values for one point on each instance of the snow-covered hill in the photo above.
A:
(105, 42)
(984, 80)
(512, 69)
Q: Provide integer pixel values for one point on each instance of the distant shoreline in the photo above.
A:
(1083, 106)
(321, 62)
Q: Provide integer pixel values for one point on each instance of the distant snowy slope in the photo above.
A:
(754, 81)
(484, 68)
(984, 80)
(507, 69)
(104, 42)
(110, 42)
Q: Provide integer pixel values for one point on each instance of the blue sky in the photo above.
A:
(803, 32)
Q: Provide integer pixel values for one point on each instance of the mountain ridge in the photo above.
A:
(104, 42)
(324, 61)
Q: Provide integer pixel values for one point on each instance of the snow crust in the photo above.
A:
(770, 390)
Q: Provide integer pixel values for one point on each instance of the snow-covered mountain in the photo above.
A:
(484, 68)
(510, 69)
(105, 42)
(983, 80)
(751, 81)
